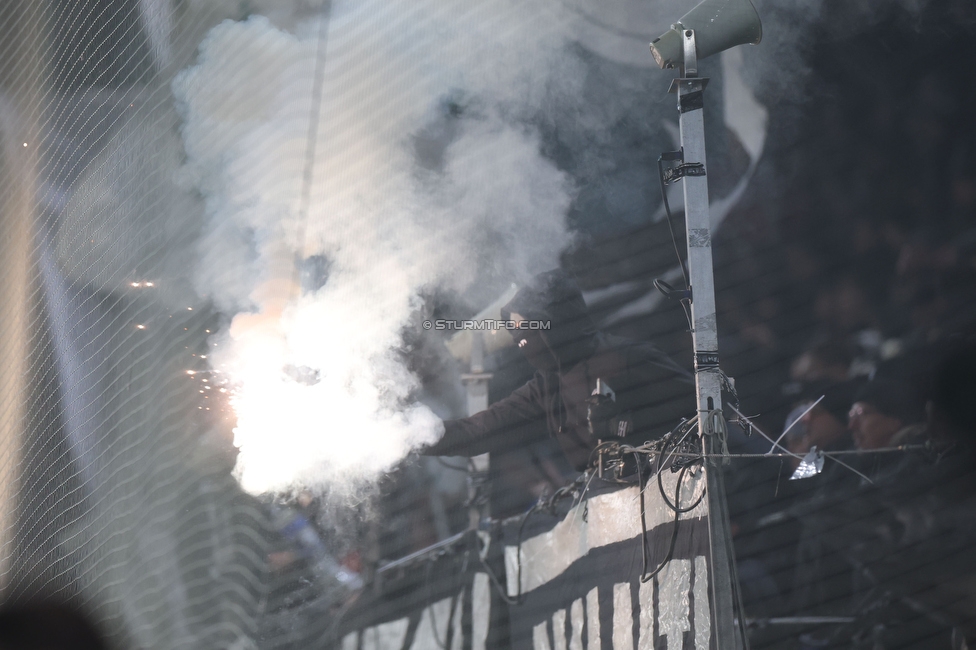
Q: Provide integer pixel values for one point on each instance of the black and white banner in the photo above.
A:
(580, 579)
(578, 585)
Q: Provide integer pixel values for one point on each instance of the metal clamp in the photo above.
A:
(672, 174)
(706, 360)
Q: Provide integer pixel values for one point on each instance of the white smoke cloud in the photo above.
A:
(390, 227)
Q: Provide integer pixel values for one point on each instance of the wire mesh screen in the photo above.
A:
(239, 243)
(120, 497)
(119, 119)
(174, 175)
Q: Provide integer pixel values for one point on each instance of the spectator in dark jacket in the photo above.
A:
(886, 413)
(651, 393)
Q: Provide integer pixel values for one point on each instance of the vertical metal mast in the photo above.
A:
(708, 382)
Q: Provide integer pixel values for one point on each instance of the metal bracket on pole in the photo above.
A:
(708, 381)
(672, 174)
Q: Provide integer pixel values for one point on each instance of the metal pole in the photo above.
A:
(690, 88)
(481, 631)
(476, 383)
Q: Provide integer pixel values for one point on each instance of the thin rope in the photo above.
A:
(318, 82)
(787, 429)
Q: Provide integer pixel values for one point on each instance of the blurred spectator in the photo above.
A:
(829, 359)
(873, 256)
(901, 544)
(825, 425)
(843, 307)
(926, 252)
(886, 413)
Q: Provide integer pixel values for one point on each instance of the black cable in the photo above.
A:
(678, 510)
(517, 600)
(685, 302)
(685, 307)
(667, 210)
(737, 596)
(666, 443)
(673, 506)
(455, 590)
(430, 607)
(498, 585)
(646, 448)
(645, 576)
(669, 441)
(541, 504)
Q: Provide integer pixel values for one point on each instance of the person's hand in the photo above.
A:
(600, 411)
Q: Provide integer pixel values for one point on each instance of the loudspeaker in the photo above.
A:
(718, 25)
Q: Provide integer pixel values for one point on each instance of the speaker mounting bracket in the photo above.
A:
(687, 83)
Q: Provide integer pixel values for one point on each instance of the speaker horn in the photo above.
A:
(718, 25)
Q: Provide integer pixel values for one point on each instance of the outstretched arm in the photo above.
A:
(505, 424)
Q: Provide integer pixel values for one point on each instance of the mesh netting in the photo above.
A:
(117, 469)
(204, 201)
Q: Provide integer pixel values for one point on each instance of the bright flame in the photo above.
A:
(352, 420)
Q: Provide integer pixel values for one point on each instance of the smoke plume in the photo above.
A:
(426, 174)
